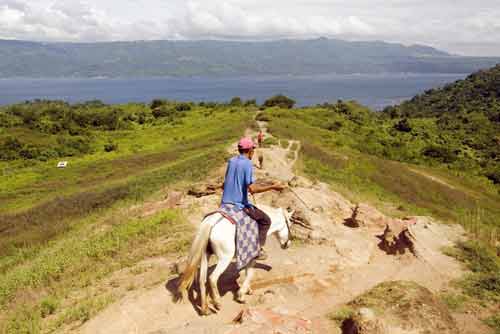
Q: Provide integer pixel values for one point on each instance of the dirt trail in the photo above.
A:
(295, 289)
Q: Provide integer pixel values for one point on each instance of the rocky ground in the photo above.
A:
(342, 253)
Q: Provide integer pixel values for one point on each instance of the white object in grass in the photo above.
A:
(62, 164)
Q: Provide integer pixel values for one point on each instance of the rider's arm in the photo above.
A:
(257, 189)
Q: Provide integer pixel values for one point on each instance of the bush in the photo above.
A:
(184, 106)
(269, 141)
(494, 176)
(335, 126)
(251, 103)
(157, 103)
(29, 152)
(10, 148)
(262, 117)
(48, 307)
(71, 146)
(110, 147)
(162, 112)
(403, 125)
(440, 153)
(281, 101)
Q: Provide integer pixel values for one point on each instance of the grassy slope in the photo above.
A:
(337, 156)
(65, 229)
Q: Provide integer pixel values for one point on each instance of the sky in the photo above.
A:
(462, 27)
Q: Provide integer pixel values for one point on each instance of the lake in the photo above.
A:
(375, 91)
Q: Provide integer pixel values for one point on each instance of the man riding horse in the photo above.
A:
(239, 181)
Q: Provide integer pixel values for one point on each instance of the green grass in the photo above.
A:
(42, 201)
(454, 301)
(64, 230)
(284, 143)
(483, 283)
(270, 141)
(339, 157)
(342, 314)
(494, 322)
(74, 262)
(352, 154)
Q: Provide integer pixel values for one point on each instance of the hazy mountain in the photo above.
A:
(182, 58)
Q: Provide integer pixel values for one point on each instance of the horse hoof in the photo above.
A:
(241, 299)
(217, 305)
(205, 312)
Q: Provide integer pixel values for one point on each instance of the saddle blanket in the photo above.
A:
(247, 235)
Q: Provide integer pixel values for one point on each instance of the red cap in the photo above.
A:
(246, 144)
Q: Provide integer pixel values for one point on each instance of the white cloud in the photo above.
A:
(441, 23)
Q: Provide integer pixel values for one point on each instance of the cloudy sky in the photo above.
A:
(460, 26)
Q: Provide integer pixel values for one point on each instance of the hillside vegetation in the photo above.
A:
(437, 154)
(228, 58)
(65, 229)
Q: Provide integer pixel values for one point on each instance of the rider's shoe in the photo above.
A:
(262, 255)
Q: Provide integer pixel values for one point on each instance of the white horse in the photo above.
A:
(221, 233)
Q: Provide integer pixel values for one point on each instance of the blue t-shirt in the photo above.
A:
(239, 175)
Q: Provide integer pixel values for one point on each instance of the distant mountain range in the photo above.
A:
(226, 58)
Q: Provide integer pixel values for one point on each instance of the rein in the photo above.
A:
(300, 199)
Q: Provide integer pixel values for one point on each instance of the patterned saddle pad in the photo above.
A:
(247, 234)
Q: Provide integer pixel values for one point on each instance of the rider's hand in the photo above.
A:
(279, 187)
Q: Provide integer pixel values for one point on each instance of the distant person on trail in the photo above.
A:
(239, 181)
(260, 138)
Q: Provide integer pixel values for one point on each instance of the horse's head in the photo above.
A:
(285, 232)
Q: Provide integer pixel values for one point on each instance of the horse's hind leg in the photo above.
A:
(203, 284)
(221, 267)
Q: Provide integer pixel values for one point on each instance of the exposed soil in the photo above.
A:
(330, 264)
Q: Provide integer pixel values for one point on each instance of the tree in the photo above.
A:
(281, 101)
(157, 103)
(236, 101)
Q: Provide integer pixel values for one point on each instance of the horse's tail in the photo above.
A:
(198, 249)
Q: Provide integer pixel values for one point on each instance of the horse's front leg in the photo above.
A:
(221, 267)
(245, 288)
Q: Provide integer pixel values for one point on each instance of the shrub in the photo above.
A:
(10, 148)
(494, 176)
(281, 101)
(184, 106)
(335, 126)
(71, 146)
(251, 103)
(110, 147)
(29, 152)
(157, 103)
(262, 117)
(403, 125)
(440, 153)
(163, 112)
(269, 141)
(48, 306)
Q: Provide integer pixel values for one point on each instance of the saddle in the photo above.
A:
(247, 233)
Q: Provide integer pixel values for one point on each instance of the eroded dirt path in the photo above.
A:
(295, 289)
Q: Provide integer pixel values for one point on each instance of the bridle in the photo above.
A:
(287, 243)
